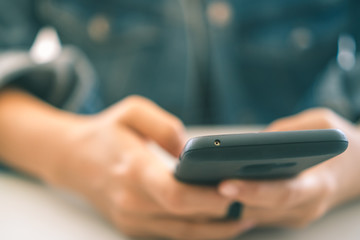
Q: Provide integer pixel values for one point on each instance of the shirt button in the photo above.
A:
(98, 28)
(219, 13)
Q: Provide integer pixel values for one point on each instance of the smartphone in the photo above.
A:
(264, 155)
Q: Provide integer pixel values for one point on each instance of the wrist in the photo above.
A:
(66, 149)
(34, 135)
(79, 162)
(57, 146)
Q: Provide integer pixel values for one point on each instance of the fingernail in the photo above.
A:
(229, 190)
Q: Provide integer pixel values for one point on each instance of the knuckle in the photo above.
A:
(174, 128)
(325, 111)
(131, 105)
(277, 124)
(178, 126)
(134, 100)
(125, 171)
(325, 116)
(120, 173)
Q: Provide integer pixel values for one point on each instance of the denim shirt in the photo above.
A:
(206, 61)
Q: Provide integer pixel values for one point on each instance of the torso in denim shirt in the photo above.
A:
(231, 61)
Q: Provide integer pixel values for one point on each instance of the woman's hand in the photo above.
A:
(298, 201)
(109, 162)
(105, 157)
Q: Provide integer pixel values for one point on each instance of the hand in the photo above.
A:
(298, 201)
(110, 163)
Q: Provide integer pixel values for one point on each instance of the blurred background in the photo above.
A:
(207, 61)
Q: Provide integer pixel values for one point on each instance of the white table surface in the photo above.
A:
(33, 210)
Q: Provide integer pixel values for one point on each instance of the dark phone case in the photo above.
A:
(266, 155)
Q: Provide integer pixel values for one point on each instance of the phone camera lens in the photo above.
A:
(217, 142)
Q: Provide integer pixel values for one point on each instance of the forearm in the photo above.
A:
(33, 134)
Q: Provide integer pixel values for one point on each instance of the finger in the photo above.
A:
(153, 122)
(152, 177)
(297, 122)
(296, 217)
(272, 194)
(272, 217)
(179, 229)
(137, 202)
(182, 199)
(317, 118)
(176, 229)
(264, 216)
